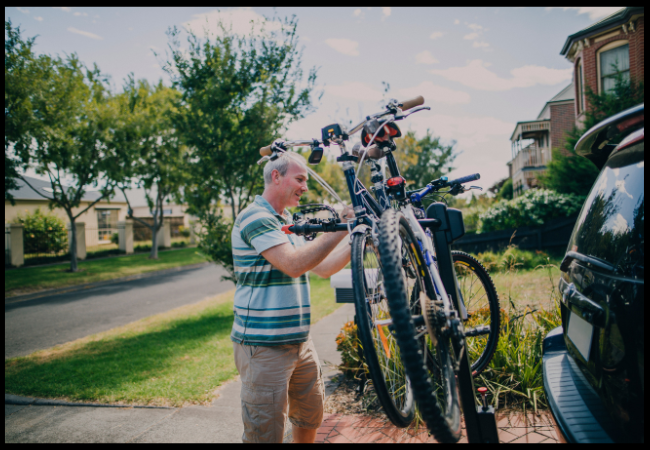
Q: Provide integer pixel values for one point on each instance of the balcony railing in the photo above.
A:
(531, 156)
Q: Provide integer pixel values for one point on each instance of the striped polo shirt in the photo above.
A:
(271, 308)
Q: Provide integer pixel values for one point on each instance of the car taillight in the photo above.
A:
(395, 181)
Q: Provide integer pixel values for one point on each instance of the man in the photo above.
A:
(274, 354)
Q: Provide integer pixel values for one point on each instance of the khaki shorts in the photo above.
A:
(277, 380)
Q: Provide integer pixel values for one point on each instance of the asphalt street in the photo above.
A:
(47, 321)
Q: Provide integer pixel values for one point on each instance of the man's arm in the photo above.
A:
(334, 262)
(296, 261)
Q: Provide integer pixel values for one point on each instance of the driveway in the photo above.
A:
(43, 322)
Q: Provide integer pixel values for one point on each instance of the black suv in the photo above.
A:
(593, 363)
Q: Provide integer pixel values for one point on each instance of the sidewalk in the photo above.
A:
(220, 422)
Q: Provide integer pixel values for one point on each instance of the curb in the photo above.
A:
(79, 287)
(26, 401)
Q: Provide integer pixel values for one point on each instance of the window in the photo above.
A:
(614, 62)
(579, 83)
(106, 224)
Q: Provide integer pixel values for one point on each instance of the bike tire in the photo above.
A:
(483, 309)
(385, 370)
(442, 417)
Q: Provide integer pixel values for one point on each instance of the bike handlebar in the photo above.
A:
(266, 151)
(465, 179)
(408, 104)
(310, 228)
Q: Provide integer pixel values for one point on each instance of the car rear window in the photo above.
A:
(610, 226)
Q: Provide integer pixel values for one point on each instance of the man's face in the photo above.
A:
(293, 185)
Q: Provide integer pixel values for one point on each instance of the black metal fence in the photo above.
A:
(143, 233)
(552, 236)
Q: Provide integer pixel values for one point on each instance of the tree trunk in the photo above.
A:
(73, 244)
(232, 206)
(154, 239)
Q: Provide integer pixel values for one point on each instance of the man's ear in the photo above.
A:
(275, 176)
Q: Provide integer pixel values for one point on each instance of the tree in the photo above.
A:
(151, 143)
(423, 160)
(238, 94)
(571, 173)
(502, 189)
(21, 79)
(70, 118)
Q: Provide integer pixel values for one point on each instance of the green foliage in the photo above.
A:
(533, 208)
(472, 210)
(43, 233)
(513, 258)
(348, 343)
(115, 238)
(506, 191)
(215, 242)
(155, 157)
(573, 174)
(423, 160)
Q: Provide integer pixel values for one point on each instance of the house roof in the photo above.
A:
(613, 20)
(24, 192)
(564, 95)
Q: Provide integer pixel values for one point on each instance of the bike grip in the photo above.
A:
(466, 179)
(266, 151)
(286, 229)
(408, 104)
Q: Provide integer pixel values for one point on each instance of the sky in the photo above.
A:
(479, 69)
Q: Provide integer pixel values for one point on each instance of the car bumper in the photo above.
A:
(577, 409)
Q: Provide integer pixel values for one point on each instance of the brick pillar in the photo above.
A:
(81, 239)
(165, 235)
(125, 236)
(16, 246)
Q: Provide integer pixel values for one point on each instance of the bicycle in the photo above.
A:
(380, 349)
(435, 316)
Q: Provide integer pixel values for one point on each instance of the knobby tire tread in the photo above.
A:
(365, 336)
(412, 357)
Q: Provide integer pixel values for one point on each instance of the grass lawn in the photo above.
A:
(30, 279)
(530, 288)
(175, 358)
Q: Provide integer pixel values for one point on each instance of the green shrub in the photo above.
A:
(533, 208)
(179, 244)
(43, 233)
(115, 238)
(347, 342)
(185, 232)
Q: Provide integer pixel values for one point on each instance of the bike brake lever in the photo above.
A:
(264, 159)
(411, 111)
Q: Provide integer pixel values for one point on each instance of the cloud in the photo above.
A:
(354, 91)
(436, 94)
(357, 12)
(620, 225)
(456, 22)
(480, 44)
(425, 57)
(470, 36)
(24, 11)
(39, 18)
(80, 14)
(239, 21)
(386, 11)
(62, 8)
(436, 34)
(595, 12)
(476, 75)
(345, 46)
(474, 26)
(86, 33)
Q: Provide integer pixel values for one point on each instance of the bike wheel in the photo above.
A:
(380, 349)
(429, 365)
(481, 300)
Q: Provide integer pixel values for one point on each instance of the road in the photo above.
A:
(47, 321)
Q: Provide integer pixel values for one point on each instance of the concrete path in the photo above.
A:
(220, 422)
(50, 320)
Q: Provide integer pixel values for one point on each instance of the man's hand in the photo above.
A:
(347, 212)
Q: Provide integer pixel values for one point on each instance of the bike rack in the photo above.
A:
(480, 421)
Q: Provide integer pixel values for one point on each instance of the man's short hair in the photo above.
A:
(281, 164)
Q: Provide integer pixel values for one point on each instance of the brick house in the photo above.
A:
(611, 46)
